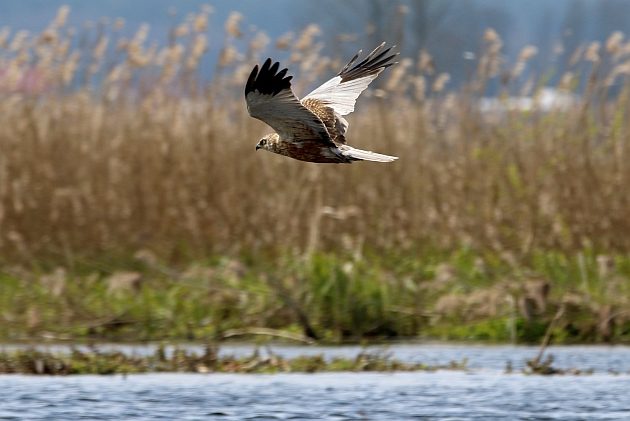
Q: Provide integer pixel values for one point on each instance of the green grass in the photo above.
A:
(462, 295)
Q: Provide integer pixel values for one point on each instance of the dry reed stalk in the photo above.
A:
(152, 158)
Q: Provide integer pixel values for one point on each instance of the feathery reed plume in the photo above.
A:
(307, 38)
(232, 25)
(592, 52)
(524, 56)
(614, 43)
(440, 82)
(284, 41)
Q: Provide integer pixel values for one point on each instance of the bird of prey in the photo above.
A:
(313, 129)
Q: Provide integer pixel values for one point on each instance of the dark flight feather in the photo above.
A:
(373, 63)
(267, 80)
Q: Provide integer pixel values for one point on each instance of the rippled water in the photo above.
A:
(485, 393)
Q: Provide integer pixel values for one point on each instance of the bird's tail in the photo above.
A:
(361, 155)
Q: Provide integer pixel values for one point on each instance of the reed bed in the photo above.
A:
(119, 144)
(115, 146)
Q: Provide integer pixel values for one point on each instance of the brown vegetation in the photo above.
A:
(120, 146)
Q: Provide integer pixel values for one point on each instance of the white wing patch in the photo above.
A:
(342, 97)
(341, 92)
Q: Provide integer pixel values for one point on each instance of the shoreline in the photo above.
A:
(272, 358)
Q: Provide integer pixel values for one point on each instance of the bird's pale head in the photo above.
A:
(267, 142)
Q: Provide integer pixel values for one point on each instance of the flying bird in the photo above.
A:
(313, 129)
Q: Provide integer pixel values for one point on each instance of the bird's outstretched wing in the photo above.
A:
(341, 92)
(270, 99)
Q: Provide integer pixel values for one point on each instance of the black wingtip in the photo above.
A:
(376, 61)
(251, 79)
(268, 80)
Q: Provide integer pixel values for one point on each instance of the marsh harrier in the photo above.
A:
(313, 129)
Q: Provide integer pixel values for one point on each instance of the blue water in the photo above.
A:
(483, 393)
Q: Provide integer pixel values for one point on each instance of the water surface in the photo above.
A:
(483, 393)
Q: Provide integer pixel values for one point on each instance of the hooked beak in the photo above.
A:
(258, 146)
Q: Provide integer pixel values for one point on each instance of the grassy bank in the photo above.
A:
(327, 298)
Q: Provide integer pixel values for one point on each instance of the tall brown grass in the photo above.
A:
(122, 145)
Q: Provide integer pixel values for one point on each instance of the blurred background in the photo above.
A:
(133, 206)
(451, 30)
